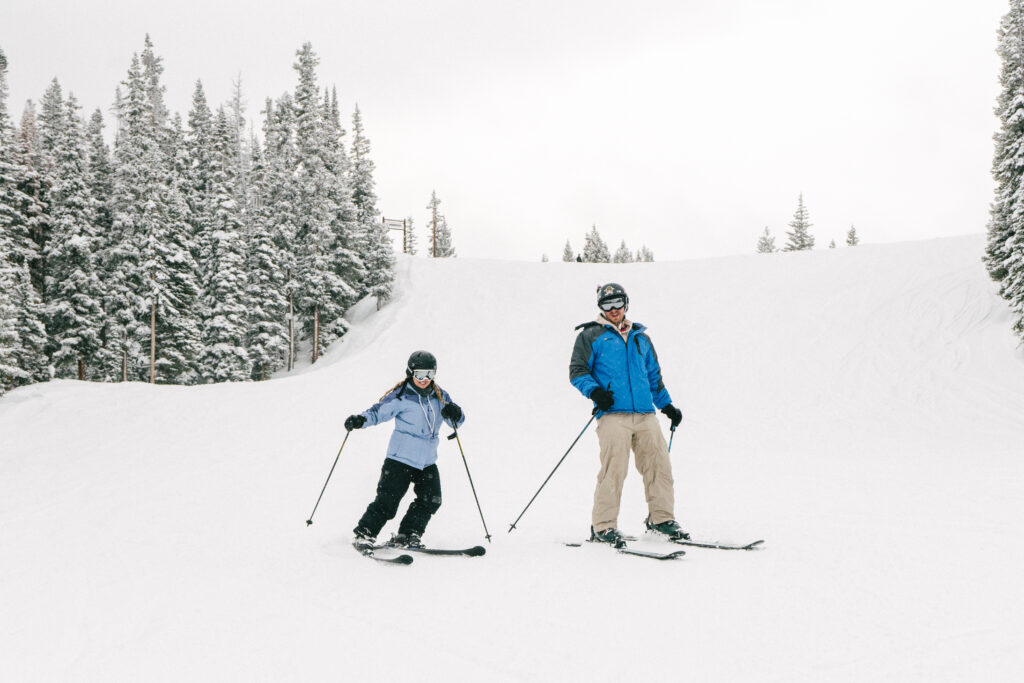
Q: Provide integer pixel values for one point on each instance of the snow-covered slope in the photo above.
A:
(860, 409)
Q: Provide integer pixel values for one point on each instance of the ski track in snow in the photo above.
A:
(860, 409)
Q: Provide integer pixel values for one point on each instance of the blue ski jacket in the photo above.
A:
(418, 422)
(628, 368)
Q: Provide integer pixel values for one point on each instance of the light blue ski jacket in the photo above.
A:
(418, 422)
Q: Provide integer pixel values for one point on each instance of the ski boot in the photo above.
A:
(671, 529)
(363, 538)
(409, 540)
(610, 536)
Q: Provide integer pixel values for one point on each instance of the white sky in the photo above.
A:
(688, 126)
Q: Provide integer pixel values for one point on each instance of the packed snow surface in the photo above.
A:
(862, 410)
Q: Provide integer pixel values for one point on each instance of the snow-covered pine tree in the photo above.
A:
(154, 294)
(16, 249)
(594, 248)
(543, 258)
(36, 178)
(440, 234)
(10, 373)
(766, 244)
(832, 244)
(567, 253)
(16, 245)
(648, 255)
(324, 295)
(1012, 286)
(222, 265)
(623, 254)
(800, 237)
(124, 304)
(1008, 159)
(241, 164)
(75, 292)
(178, 313)
(199, 150)
(100, 171)
(350, 234)
(280, 207)
(266, 334)
(378, 255)
(851, 237)
(411, 243)
(445, 247)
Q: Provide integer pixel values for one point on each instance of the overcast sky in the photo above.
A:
(686, 126)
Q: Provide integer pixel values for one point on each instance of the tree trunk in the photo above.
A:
(152, 344)
(316, 334)
(291, 333)
(81, 369)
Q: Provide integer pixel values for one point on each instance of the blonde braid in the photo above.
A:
(390, 390)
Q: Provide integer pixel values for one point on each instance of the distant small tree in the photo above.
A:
(443, 236)
(800, 238)
(594, 248)
(567, 253)
(622, 254)
(766, 245)
(410, 237)
(543, 258)
(832, 244)
(644, 255)
(851, 237)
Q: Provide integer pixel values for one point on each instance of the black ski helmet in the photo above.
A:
(612, 290)
(420, 360)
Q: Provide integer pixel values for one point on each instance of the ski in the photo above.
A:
(625, 550)
(718, 546)
(698, 544)
(367, 551)
(475, 551)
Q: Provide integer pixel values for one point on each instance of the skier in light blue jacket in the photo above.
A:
(419, 407)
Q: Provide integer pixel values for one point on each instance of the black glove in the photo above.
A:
(673, 414)
(452, 411)
(602, 398)
(354, 422)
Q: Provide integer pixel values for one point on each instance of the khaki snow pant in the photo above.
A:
(618, 433)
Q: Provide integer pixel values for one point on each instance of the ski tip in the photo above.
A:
(476, 551)
(756, 545)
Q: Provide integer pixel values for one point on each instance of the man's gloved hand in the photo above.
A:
(354, 422)
(452, 411)
(673, 414)
(602, 398)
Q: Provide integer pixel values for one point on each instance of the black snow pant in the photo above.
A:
(395, 478)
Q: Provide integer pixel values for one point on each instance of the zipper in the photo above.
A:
(629, 374)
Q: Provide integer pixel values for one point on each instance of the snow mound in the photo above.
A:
(860, 409)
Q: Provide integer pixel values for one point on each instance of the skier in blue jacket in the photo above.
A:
(614, 364)
(419, 407)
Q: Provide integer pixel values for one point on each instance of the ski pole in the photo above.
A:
(310, 520)
(670, 437)
(455, 435)
(513, 525)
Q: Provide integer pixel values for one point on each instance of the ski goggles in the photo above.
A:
(426, 373)
(610, 304)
